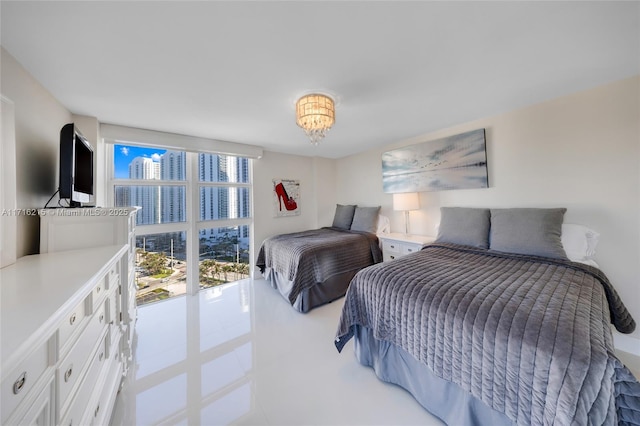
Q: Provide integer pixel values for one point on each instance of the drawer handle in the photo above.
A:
(101, 356)
(409, 250)
(68, 373)
(392, 246)
(72, 320)
(19, 384)
(98, 289)
(101, 318)
(392, 257)
(95, 414)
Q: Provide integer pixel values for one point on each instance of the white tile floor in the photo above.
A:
(241, 355)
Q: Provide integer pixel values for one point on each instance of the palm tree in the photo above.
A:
(243, 269)
(226, 269)
(209, 270)
(154, 263)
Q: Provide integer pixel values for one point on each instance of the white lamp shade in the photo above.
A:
(406, 202)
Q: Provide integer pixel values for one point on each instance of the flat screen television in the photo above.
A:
(76, 167)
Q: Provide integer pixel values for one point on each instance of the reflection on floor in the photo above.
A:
(239, 354)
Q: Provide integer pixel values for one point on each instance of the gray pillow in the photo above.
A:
(343, 216)
(464, 225)
(365, 219)
(534, 232)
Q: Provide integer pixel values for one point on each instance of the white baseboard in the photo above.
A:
(626, 343)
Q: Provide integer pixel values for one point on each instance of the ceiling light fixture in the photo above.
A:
(315, 113)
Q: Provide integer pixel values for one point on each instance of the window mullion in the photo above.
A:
(193, 210)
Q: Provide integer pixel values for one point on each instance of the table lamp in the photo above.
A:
(406, 202)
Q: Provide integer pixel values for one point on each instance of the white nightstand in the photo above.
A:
(395, 245)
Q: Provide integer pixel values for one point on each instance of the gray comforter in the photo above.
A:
(310, 257)
(528, 336)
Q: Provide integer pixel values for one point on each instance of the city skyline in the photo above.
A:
(167, 203)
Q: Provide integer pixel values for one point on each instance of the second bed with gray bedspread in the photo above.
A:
(296, 262)
(528, 336)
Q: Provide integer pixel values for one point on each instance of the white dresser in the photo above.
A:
(61, 342)
(77, 228)
(395, 245)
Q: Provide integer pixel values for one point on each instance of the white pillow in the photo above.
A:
(383, 225)
(579, 242)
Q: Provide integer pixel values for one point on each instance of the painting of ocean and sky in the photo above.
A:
(454, 162)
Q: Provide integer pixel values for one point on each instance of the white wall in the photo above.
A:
(38, 120)
(580, 151)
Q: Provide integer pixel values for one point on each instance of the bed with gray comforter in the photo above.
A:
(498, 337)
(314, 267)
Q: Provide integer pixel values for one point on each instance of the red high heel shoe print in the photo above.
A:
(289, 203)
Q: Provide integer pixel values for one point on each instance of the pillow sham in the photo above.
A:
(530, 231)
(579, 242)
(464, 225)
(365, 219)
(343, 216)
(383, 225)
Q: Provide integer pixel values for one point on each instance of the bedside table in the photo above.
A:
(396, 245)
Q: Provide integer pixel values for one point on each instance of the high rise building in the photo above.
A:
(172, 167)
(147, 197)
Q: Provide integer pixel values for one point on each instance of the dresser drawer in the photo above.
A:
(99, 411)
(113, 314)
(112, 307)
(22, 379)
(71, 368)
(410, 248)
(113, 276)
(99, 292)
(71, 324)
(397, 245)
(39, 410)
(391, 247)
(110, 280)
(74, 414)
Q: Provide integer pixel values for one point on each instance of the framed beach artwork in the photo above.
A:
(454, 162)
(286, 201)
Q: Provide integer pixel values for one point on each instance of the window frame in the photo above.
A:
(192, 224)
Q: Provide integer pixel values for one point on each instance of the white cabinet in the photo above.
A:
(58, 356)
(395, 245)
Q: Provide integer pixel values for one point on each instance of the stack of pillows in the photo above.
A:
(354, 218)
(530, 231)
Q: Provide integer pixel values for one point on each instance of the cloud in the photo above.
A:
(155, 156)
(124, 151)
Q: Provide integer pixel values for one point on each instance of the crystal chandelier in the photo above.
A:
(315, 113)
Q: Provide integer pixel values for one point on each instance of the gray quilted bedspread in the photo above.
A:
(310, 257)
(528, 336)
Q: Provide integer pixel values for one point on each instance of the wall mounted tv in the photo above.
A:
(76, 167)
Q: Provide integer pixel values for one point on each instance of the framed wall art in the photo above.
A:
(454, 162)
(286, 197)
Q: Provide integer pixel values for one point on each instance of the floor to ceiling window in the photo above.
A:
(193, 229)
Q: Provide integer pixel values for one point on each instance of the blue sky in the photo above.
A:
(124, 154)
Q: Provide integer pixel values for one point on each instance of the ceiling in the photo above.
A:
(233, 70)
